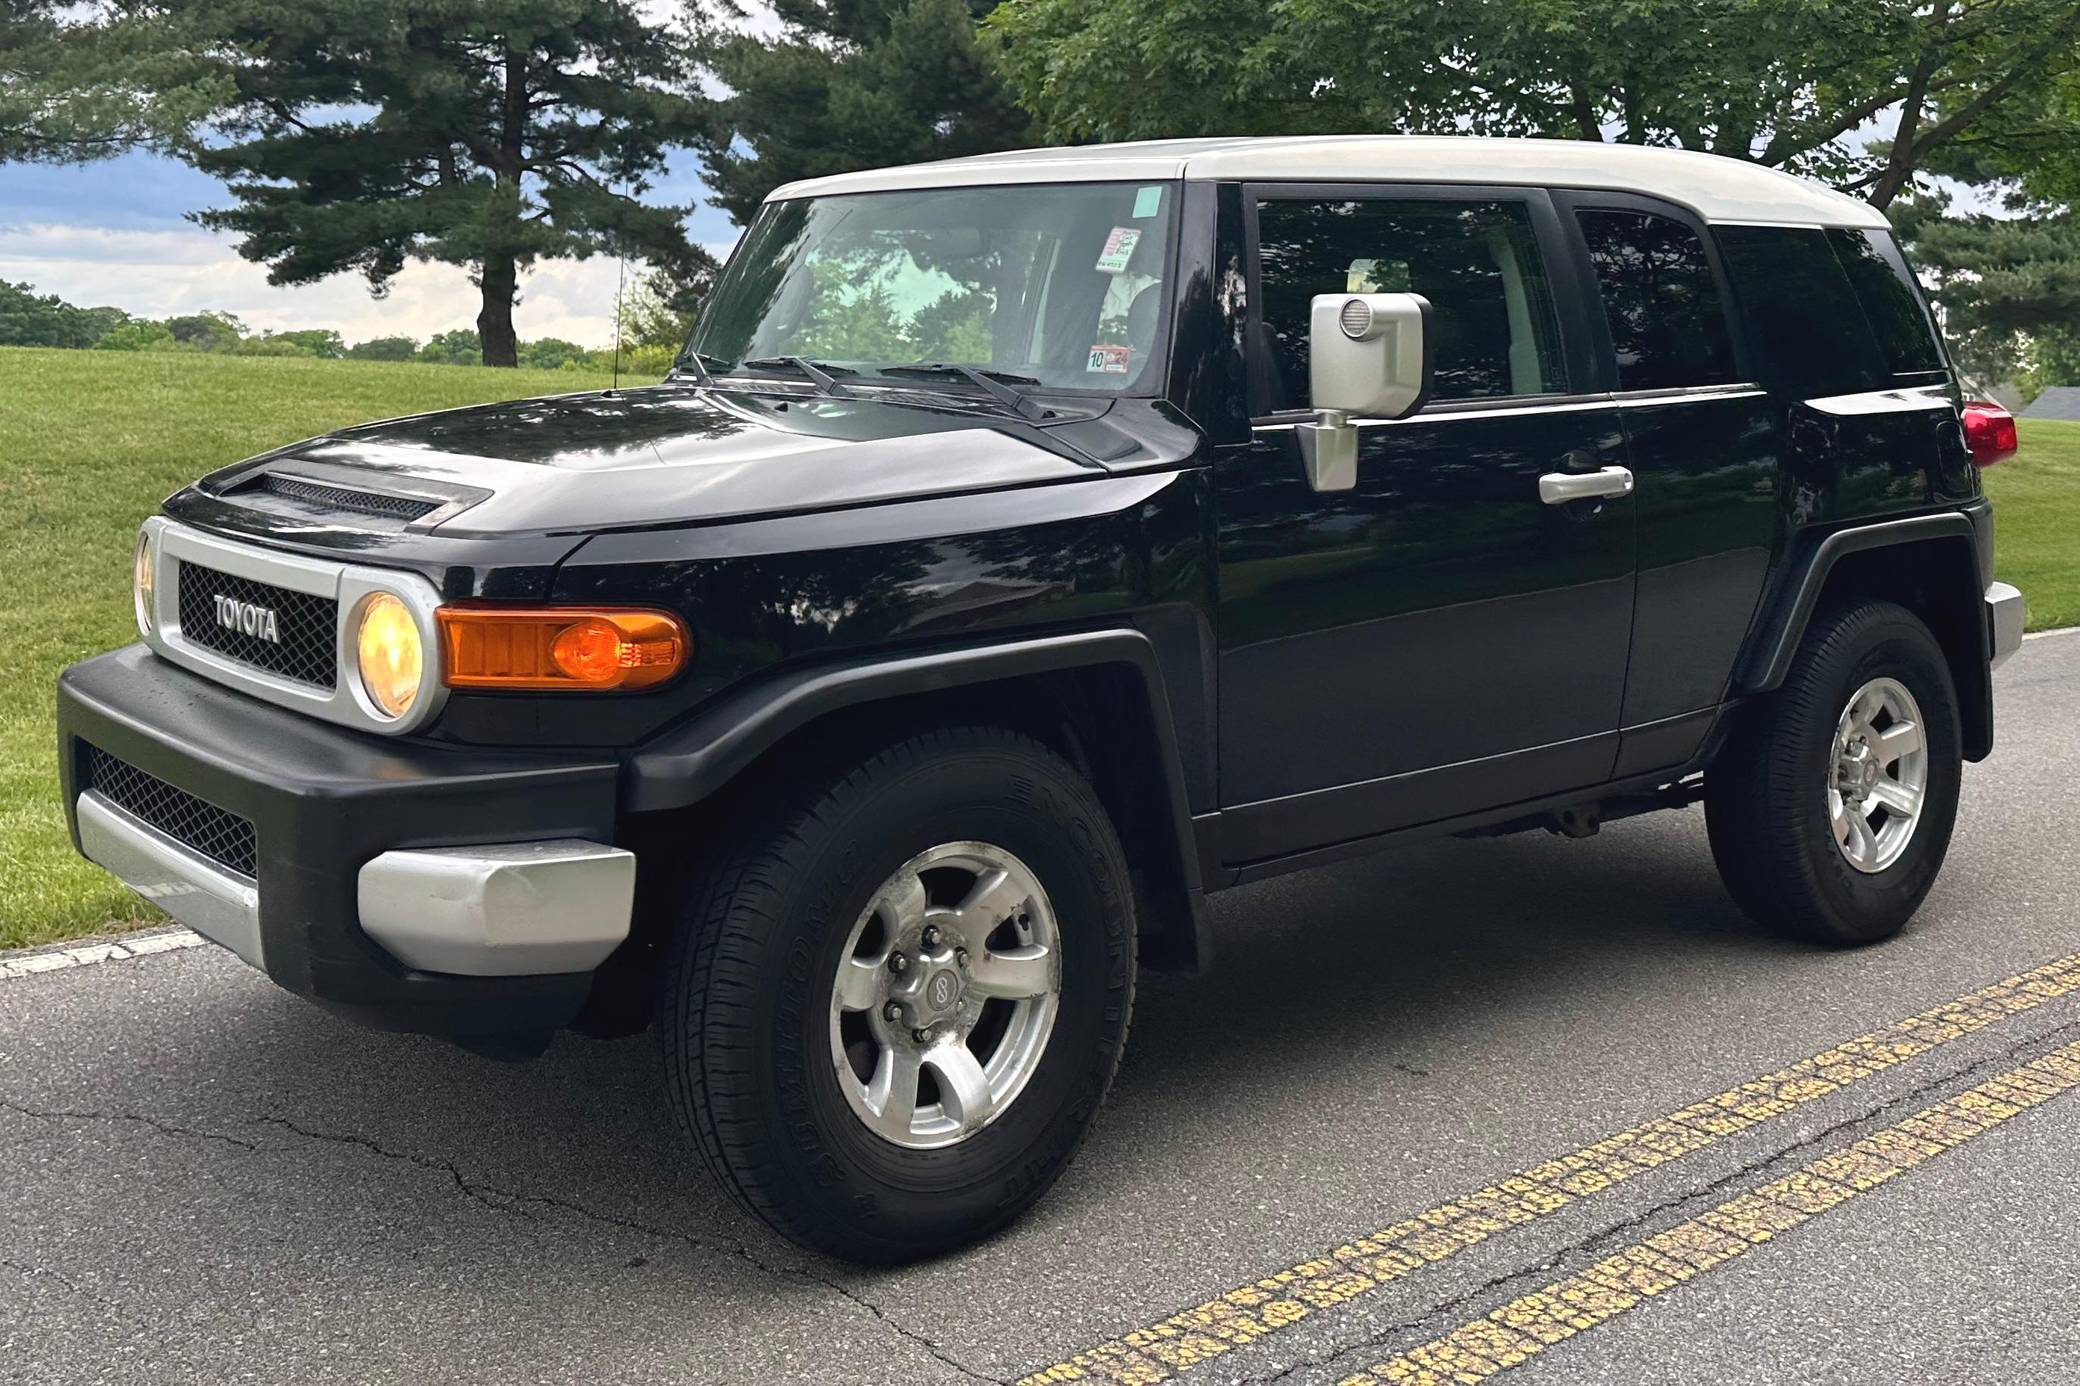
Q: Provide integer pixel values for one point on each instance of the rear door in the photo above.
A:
(1702, 440)
(1437, 640)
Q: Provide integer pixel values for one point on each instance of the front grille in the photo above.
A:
(331, 499)
(305, 624)
(225, 838)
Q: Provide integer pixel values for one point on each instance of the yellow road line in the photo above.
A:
(1251, 1312)
(1525, 1327)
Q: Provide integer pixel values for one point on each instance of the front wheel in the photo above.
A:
(892, 1011)
(1830, 809)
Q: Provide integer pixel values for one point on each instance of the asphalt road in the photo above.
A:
(202, 1179)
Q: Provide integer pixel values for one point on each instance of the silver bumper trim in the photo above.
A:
(2004, 619)
(504, 910)
(222, 907)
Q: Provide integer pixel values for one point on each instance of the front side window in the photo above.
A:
(1667, 327)
(1492, 328)
(1056, 285)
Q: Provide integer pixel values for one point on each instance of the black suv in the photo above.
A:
(1026, 546)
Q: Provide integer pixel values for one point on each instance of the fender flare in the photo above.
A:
(702, 755)
(1783, 623)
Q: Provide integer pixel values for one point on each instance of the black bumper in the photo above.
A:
(323, 801)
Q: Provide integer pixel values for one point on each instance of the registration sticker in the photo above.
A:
(1119, 248)
(1109, 360)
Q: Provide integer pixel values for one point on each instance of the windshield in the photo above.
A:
(1054, 285)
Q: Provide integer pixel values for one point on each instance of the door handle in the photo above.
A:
(1558, 488)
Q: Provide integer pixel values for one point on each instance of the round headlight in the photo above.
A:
(141, 582)
(391, 656)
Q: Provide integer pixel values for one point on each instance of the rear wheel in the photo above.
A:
(893, 1009)
(1830, 810)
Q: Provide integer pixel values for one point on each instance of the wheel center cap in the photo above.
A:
(943, 992)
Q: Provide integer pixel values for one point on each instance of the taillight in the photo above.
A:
(1989, 431)
(555, 648)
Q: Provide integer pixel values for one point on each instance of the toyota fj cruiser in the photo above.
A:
(1026, 546)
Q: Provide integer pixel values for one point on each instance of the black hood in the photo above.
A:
(678, 453)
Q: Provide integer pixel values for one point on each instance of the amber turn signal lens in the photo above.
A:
(562, 647)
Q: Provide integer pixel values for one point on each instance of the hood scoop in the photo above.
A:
(343, 497)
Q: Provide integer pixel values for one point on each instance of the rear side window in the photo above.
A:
(1492, 327)
(1803, 317)
(1667, 325)
(1884, 286)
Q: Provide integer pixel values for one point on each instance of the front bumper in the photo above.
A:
(374, 873)
(2003, 620)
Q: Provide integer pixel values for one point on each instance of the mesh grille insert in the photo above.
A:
(225, 838)
(318, 496)
(304, 625)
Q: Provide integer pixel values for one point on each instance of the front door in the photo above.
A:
(1438, 640)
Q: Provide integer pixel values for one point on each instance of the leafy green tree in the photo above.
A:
(210, 331)
(660, 309)
(549, 353)
(457, 348)
(363, 135)
(1783, 82)
(321, 342)
(138, 334)
(384, 349)
(28, 318)
(851, 84)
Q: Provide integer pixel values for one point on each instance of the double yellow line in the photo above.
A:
(1250, 1313)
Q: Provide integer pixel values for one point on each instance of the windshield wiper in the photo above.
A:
(996, 384)
(703, 365)
(822, 376)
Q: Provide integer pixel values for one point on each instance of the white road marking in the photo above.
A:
(29, 964)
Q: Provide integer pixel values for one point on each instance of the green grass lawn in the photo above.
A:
(90, 442)
(2036, 521)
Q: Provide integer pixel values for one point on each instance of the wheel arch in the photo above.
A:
(1098, 698)
(1934, 565)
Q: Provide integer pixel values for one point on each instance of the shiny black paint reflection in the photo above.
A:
(1100, 552)
(1706, 472)
(1437, 614)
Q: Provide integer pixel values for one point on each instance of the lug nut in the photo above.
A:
(892, 1012)
(921, 1036)
(897, 962)
(931, 936)
(960, 957)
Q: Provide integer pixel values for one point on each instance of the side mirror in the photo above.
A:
(1368, 355)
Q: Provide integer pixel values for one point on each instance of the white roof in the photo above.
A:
(1717, 189)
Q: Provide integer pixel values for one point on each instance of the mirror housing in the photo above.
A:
(1368, 355)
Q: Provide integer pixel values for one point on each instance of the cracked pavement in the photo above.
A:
(203, 1179)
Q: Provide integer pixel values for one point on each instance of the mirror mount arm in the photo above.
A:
(1329, 449)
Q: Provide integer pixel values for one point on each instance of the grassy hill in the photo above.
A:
(93, 440)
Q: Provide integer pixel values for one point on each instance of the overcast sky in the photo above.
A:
(117, 233)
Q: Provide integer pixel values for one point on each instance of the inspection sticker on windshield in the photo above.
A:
(1108, 360)
(1119, 248)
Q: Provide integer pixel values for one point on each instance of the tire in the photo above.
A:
(754, 1033)
(1772, 792)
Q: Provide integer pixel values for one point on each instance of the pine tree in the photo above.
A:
(482, 133)
(853, 84)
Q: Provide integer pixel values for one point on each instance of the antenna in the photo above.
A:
(620, 290)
